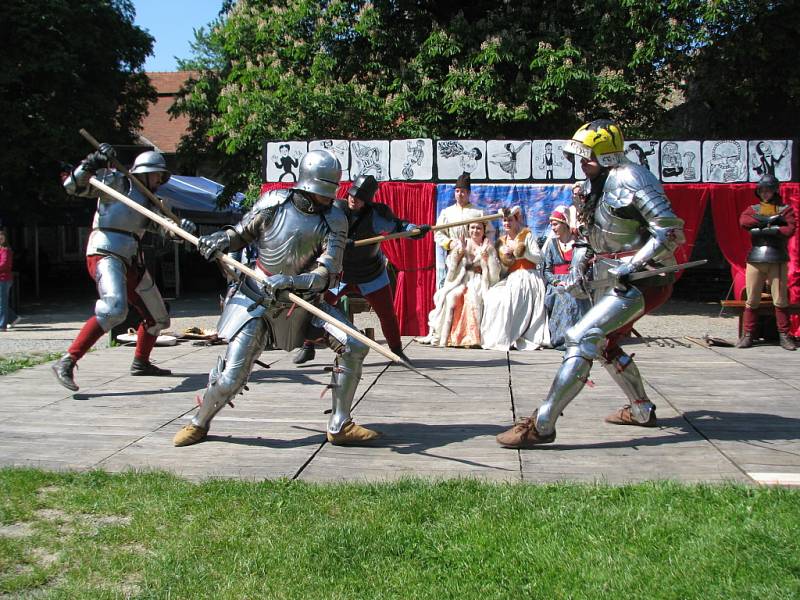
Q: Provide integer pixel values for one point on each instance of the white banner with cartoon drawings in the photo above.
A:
(724, 161)
(680, 161)
(418, 159)
(369, 157)
(548, 162)
(340, 149)
(643, 152)
(411, 160)
(454, 157)
(281, 160)
(770, 157)
(509, 159)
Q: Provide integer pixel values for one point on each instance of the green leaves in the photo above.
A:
(306, 69)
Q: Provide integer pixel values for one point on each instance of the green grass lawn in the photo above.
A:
(9, 364)
(152, 535)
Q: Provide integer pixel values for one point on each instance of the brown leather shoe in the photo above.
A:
(786, 342)
(524, 435)
(190, 434)
(353, 435)
(624, 417)
(746, 341)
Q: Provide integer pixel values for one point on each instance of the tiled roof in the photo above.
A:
(158, 127)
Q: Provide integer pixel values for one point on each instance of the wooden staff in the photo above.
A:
(258, 276)
(142, 187)
(405, 234)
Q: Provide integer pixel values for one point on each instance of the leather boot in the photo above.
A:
(786, 342)
(190, 434)
(353, 435)
(524, 435)
(63, 369)
(782, 321)
(304, 354)
(749, 323)
(145, 367)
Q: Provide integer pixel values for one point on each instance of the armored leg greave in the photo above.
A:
(585, 341)
(346, 371)
(230, 374)
(626, 374)
(154, 303)
(111, 307)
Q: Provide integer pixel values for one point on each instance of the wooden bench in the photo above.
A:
(765, 309)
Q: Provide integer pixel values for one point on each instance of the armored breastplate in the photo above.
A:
(292, 241)
(117, 229)
(767, 248)
(616, 227)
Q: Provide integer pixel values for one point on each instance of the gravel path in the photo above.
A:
(50, 328)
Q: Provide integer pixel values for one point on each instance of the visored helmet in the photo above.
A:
(364, 188)
(151, 162)
(601, 139)
(320, 172)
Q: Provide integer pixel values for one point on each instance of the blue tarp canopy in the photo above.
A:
(195, 198)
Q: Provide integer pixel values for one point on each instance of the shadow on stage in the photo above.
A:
(710, 425)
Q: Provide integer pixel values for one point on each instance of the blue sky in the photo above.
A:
(172, 24)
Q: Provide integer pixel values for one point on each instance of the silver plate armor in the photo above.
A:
(116, 229)
(293, 239)
(633, 217)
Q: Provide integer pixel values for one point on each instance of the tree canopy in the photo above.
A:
(289, 69)
(65, 65)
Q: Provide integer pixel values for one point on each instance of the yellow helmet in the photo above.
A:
(601, 139)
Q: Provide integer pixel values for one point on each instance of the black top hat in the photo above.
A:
(463, 181)
(364, 188)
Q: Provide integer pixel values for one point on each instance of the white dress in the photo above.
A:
(514, 314)
(462, 293)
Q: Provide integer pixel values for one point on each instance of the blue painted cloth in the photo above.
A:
(536, 200)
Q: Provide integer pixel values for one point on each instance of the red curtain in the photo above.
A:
(689, 203)
(727, 203)
(413, 259)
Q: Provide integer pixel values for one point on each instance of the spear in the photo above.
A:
(415, 231)
(172, 227)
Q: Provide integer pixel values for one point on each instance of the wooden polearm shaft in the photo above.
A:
(405, 234)
(258, 276)
(135, 180)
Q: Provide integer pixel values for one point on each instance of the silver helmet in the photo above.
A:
(320, 173)
(151, 162)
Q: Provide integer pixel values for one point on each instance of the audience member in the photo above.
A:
(559, 254)
(472, 268)
(514, 312)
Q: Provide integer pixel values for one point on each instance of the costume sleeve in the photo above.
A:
(441, 237)
(491, 272)
(791, 222)
(5, 260)
(396, 224)
(748, 219)
(531, 250)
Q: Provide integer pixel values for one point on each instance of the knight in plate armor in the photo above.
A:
(630, 226)
(364, 268)
(114, 259)
(301, 238)
(771, 224)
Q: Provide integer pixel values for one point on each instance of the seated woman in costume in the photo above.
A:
(472, 268)
(514, 315)
(560, 258)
